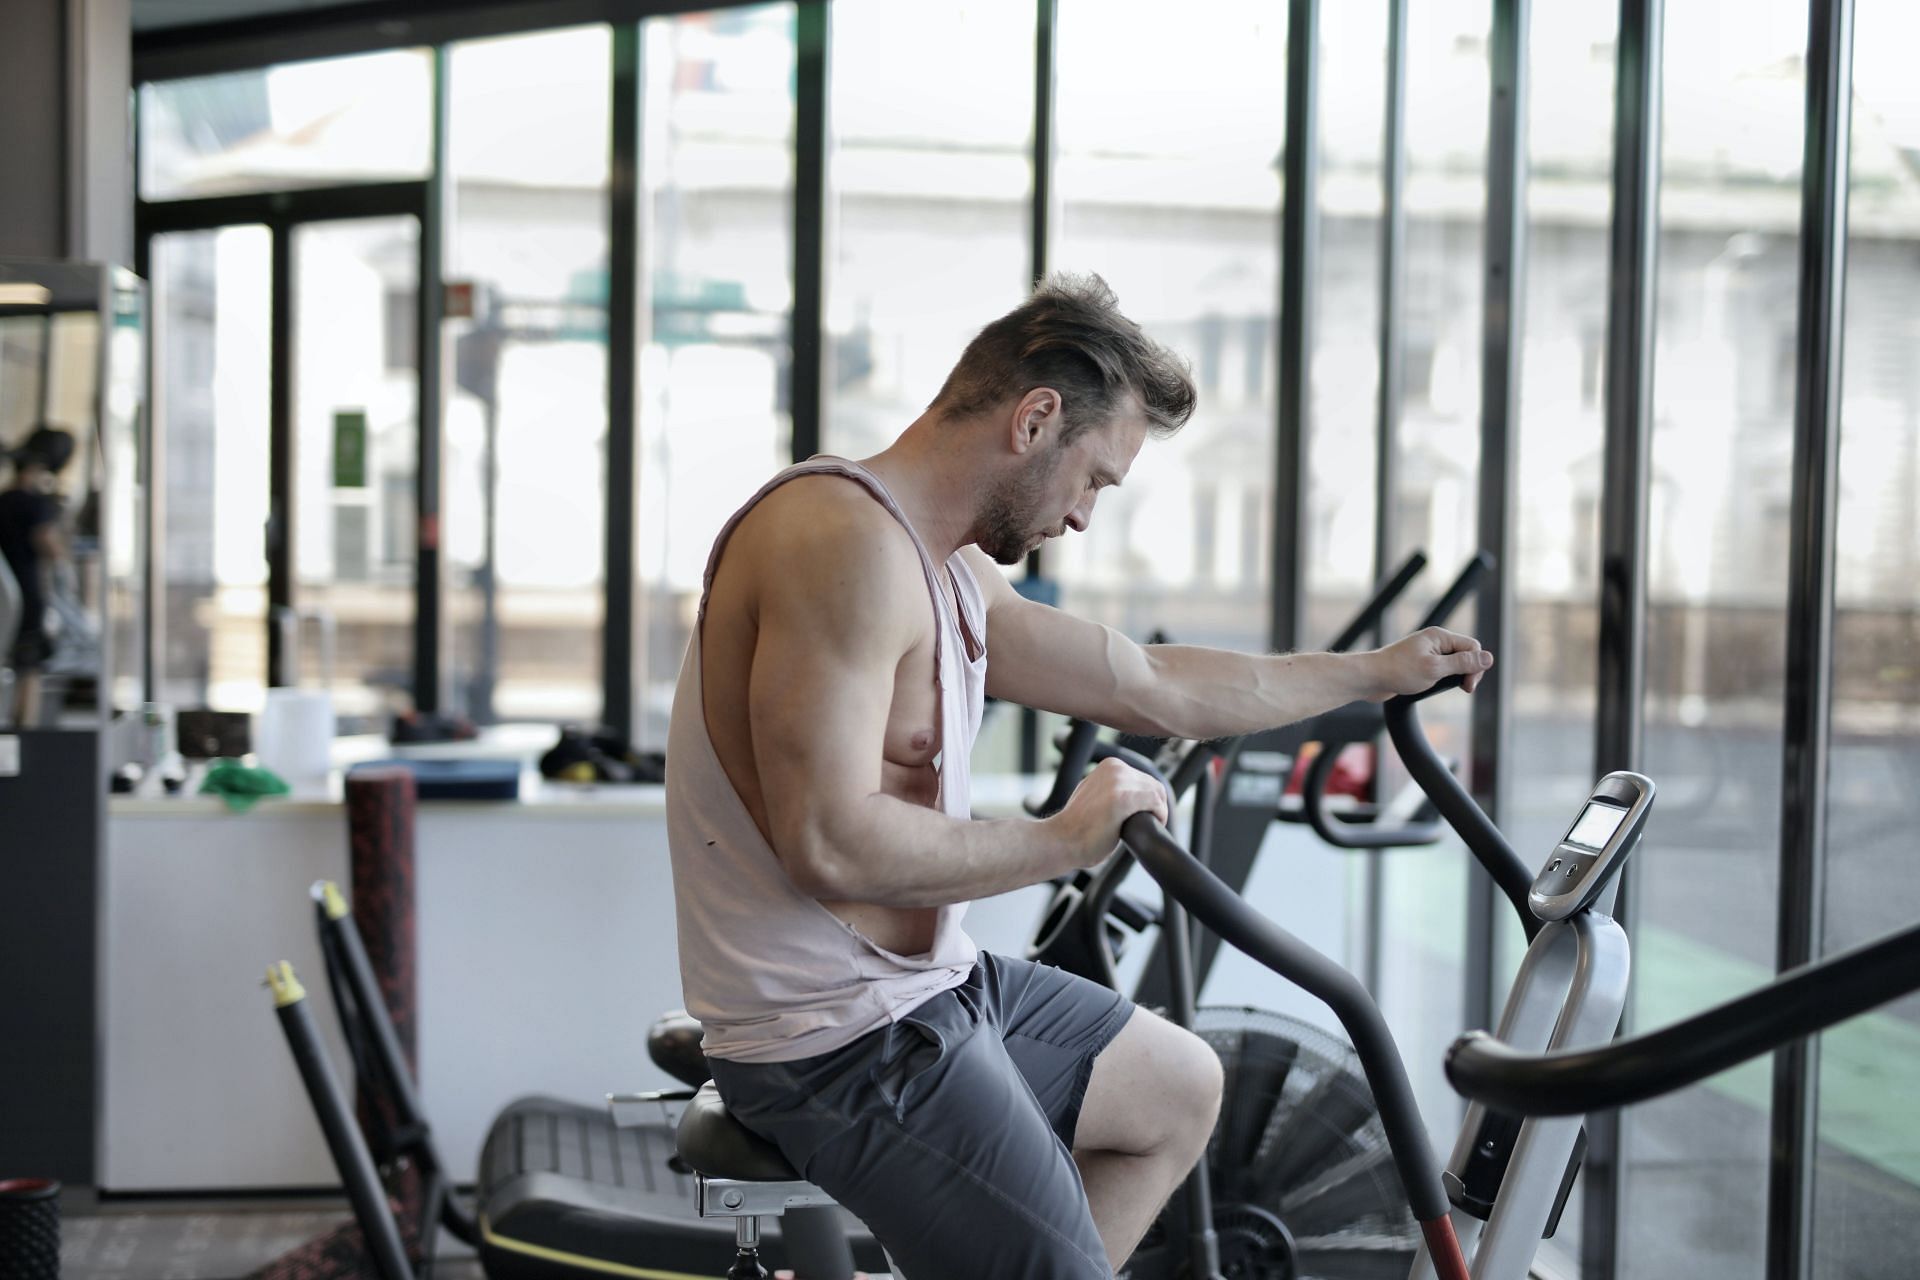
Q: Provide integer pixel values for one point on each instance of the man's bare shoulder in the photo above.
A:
(825, 536)
(994, 587)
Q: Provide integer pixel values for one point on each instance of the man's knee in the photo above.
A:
(1156, 1087)
(1201, 1081)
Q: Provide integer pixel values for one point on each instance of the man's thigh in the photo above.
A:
(1155, 1084)
(1056, 1025)
(930, 1135)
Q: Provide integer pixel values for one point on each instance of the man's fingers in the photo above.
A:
(1470, 663)
(1446, 641)
(1466, 663)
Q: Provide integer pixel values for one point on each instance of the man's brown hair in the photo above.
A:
(1070, 336)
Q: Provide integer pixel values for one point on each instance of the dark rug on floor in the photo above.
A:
(122, 1243)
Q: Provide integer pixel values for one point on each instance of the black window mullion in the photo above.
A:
(1039, 247)
(1391, 398)
(428, 614)
(1499, 440)
(1810, 605)
(809, 226)
(153, 474)
(1626, 473)
(281, 511)
(1299, 235)
(618, 649)
(1040, 217)
(1390, 404)
(299, 204)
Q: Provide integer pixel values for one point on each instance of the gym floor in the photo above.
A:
(208, 1239)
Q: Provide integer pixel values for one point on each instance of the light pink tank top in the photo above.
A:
(770, 973)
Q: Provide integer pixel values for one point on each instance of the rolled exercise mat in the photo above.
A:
(380, 809)
(29, 1229)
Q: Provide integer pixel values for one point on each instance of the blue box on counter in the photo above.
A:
(457, 779)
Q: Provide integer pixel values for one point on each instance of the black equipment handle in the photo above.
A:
(1103, 896)
(1455, 804)
(1464, 584)
(1809, 999)
(1353, 835)
(384, 1239)
(1376, 606)
(1355, 722)
(1362, 722)
(1076, 753)
(1128, 756)
(1221, 910)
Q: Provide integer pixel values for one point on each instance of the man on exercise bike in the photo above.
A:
(985, 1117)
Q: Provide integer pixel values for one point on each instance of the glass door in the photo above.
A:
(355, 408)
(212, 362)
(287, 446)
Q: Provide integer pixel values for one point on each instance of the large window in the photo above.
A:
(1868, 1174)
(1723, 375)
(930, 181)
(716, 196)
(303, 124)
(1174, 199)
(526, 474)
(355, 443)
(1344, 371)
(1551, 666)
(1424, 948)
(211, 337)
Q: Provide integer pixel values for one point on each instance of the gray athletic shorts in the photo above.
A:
(948, 1132)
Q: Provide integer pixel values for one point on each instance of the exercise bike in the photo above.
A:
(1503, 1190)
(743, 1177)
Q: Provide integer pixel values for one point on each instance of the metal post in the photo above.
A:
(429, 625)
(1299, 236)
(153, 465)
(1039, 241)
(809, 226)
(1810, 590)
(617, 647)
(280, 461)
(1621, 674)
(1499, 438)
(1391, 404)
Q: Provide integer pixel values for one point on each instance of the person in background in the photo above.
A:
(30, 510)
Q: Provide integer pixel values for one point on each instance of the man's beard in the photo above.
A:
(1008, 514)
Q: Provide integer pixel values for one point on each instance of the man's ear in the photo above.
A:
(1035, 418)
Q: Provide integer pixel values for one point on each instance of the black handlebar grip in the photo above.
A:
(1450, 682)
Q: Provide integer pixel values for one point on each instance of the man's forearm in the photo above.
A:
(891, 853)
(1216, 693)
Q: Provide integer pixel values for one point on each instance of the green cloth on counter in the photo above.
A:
(241, 786)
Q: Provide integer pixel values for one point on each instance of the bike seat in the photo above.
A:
(712, 1142)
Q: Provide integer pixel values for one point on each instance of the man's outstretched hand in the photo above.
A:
(1424, 659)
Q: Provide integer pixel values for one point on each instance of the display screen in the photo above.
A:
(1596, 826)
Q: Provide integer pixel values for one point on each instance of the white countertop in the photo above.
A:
(994, 795)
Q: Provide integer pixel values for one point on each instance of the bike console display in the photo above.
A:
(1594, 848)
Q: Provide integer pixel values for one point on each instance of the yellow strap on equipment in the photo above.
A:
(336, 903)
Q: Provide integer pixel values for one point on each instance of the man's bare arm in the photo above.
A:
(839, 604)
(1048, 658)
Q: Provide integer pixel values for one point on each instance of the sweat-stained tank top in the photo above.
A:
(771, 974)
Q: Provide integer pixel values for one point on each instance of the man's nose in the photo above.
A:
(1078, 517)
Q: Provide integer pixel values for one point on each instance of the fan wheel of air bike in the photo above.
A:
(1304, 1185)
